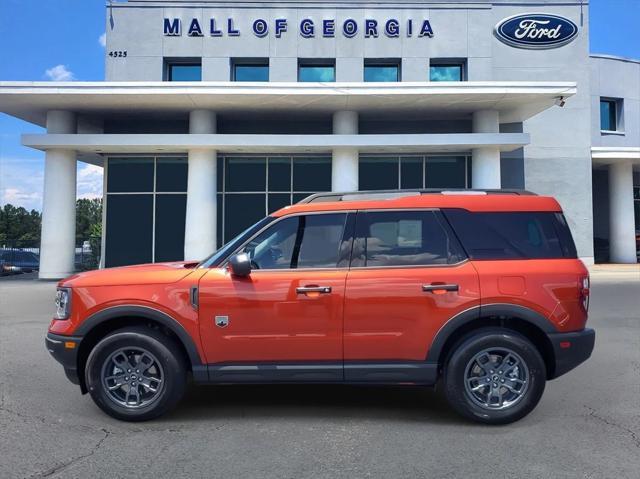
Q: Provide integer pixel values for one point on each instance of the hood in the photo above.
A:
(155, 273)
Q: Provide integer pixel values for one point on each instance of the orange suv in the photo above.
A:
(481, 290)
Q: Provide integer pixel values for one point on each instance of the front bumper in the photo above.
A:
(64, 349)
(571, 349)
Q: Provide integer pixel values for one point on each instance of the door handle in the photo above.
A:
(313, 289)
(439, 288)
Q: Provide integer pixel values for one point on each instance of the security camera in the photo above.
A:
(560, 101)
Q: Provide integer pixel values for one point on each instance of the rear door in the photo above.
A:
(408, 276)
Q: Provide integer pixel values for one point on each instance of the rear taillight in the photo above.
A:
(585, 292)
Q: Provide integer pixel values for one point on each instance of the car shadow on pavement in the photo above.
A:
(315, 401)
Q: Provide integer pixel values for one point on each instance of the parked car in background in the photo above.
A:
(15, 261)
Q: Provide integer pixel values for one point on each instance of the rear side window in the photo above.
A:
(403, 238)
(512, 235)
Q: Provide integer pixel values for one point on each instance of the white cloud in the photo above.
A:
(102, 40)
(17, 197)
(89, 181)
(59, 73)
(21, 181)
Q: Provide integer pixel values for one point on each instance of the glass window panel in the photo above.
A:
(220, 172)
(381, 73)
(608, 115)
(297, 197)
(318, 73)
(185, 72)
(129, 241)
(411, 173)
(378, 173)
(171, 174)
(278, 201)
(251, 73)
(445, 72)
(279, 174)
(312, 174)
(246, 174)
(320, 245)
(170, 223)
(445, 172)
(241, 211)
(273, 248)
(126, 175)
(220, 237)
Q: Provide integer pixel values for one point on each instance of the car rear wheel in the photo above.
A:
(136, 374)
(494, 376)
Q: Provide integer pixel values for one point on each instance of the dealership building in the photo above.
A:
(215, 113)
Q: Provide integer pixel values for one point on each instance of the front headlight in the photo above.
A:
(63, 303)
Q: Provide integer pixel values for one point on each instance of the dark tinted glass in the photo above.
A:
(171, 174)
(512, 235)
(126, 175)
(319, 73)
(129, 229)
(241, 211)
(312, 174)
(251, 73)
(445, 72)
(170, 218)
(445, 172)
(320, 244)
(273, 248)
(278, 200)
(608, 115)
(402, 238)
(279, 174)
(246, 174)
(219, 208)
(381, 73)
(185, 72)
(410, 173)
(378, 173)
(299, 197)
(219, 173)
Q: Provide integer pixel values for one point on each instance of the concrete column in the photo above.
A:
(485, 162)
(201, 217)
(344, 167)
(622, 238)
(58, 234)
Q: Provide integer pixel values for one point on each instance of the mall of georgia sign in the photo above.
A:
(536, 31)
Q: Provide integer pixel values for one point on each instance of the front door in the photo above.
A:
(284, 321)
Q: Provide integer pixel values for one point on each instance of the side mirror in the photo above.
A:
(240, 264)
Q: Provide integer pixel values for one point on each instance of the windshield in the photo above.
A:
(216, 258)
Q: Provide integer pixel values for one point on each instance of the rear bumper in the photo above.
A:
(571, 349)
(64, 349)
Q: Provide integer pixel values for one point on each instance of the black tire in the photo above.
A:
(171, 361)
(455, 374)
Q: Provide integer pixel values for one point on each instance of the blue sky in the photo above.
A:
(61, 40)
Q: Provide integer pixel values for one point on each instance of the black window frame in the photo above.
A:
(249, 62)
(450, 62)
(382, 62)
(169, 63)
(616, 106)
(316, 62)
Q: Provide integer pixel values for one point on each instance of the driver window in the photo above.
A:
(273, 248)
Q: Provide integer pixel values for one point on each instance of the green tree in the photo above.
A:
(88, 219)
(19, 225)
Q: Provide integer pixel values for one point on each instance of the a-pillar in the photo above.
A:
(201, 218)
(344, 167)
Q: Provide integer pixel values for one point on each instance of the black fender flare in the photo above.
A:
(472, 314)
(145, 312)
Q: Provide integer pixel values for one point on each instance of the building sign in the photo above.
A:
(307, 28)
(536, 31)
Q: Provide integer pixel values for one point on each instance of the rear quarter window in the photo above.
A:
(512, 235)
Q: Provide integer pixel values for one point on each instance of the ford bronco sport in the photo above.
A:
(481, 290)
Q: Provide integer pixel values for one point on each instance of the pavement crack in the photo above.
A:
(634, 436)
(64, 465)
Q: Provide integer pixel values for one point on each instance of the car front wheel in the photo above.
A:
(494, 376)
(136, 374)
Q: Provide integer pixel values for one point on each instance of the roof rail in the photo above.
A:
(393, 194)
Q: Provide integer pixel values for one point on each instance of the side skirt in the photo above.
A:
(351, 372)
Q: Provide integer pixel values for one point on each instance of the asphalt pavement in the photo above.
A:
(587, 424)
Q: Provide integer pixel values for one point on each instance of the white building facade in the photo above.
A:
(213, 114)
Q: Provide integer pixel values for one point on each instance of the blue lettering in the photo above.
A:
(349, 28)
(172, 28)
(307, 28)
(370, 28)
(212, 29)
(281, 26)
(260, 28)
(230, 30)
(410, 28)
(426, 30)
(328, 28)
(392, 28)
(194, 28)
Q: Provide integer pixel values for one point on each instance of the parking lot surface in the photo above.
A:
(587, 424)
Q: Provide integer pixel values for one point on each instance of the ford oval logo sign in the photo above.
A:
(536, 31)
